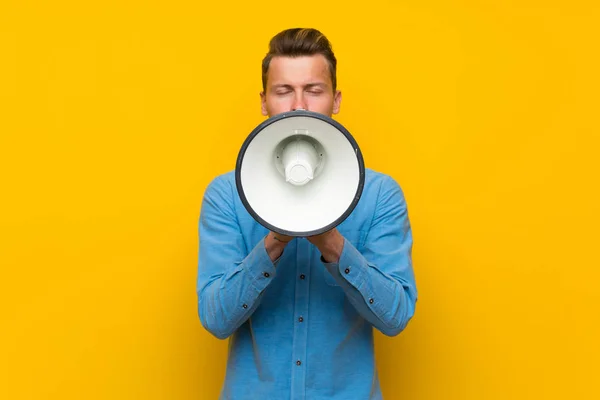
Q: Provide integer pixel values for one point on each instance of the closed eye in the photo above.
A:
(282, 89)
(315, 88)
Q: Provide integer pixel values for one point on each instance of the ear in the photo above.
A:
(263, 104)
(337, 101)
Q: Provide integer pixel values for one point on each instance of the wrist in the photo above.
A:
(275, 244)
(331, 250)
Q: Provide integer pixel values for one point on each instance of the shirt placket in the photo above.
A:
(303, 253)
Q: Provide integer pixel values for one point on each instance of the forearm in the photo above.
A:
(228, 299)
(387, 302)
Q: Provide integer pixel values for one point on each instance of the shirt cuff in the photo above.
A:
(259, 267)
(350, 268)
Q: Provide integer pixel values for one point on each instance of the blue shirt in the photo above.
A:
(301, 328)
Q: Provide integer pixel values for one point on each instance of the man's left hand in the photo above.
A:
(330, 244)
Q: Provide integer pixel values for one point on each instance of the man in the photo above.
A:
(300, 312)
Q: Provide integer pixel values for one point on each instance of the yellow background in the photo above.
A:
(114, 116)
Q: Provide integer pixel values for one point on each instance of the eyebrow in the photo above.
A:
(308, 85)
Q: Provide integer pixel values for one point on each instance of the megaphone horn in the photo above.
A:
(300, 173)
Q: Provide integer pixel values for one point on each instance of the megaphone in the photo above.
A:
(300, 173)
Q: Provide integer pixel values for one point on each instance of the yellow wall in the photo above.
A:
(113, 119)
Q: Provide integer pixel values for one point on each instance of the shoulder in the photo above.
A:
(221, 186)
(222, 181)
(379, 183)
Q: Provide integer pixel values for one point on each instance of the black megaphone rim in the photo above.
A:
(291, 114)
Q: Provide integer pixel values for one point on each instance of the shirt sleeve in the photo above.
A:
(230, 279)
(379, 280)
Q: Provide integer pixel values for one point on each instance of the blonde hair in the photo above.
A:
(296, 42)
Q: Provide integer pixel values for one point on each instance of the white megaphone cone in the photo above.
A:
(300, 173)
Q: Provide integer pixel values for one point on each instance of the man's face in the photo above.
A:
(299, 83)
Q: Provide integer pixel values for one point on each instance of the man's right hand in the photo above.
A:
(275, 243)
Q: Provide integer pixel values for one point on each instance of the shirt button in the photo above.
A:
(347, 270)
(300, 319)
(371, 301)
(302, 276)
(298, 362)
(245, 306)
(266, 274)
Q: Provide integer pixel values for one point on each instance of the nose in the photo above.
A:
(299, 103)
